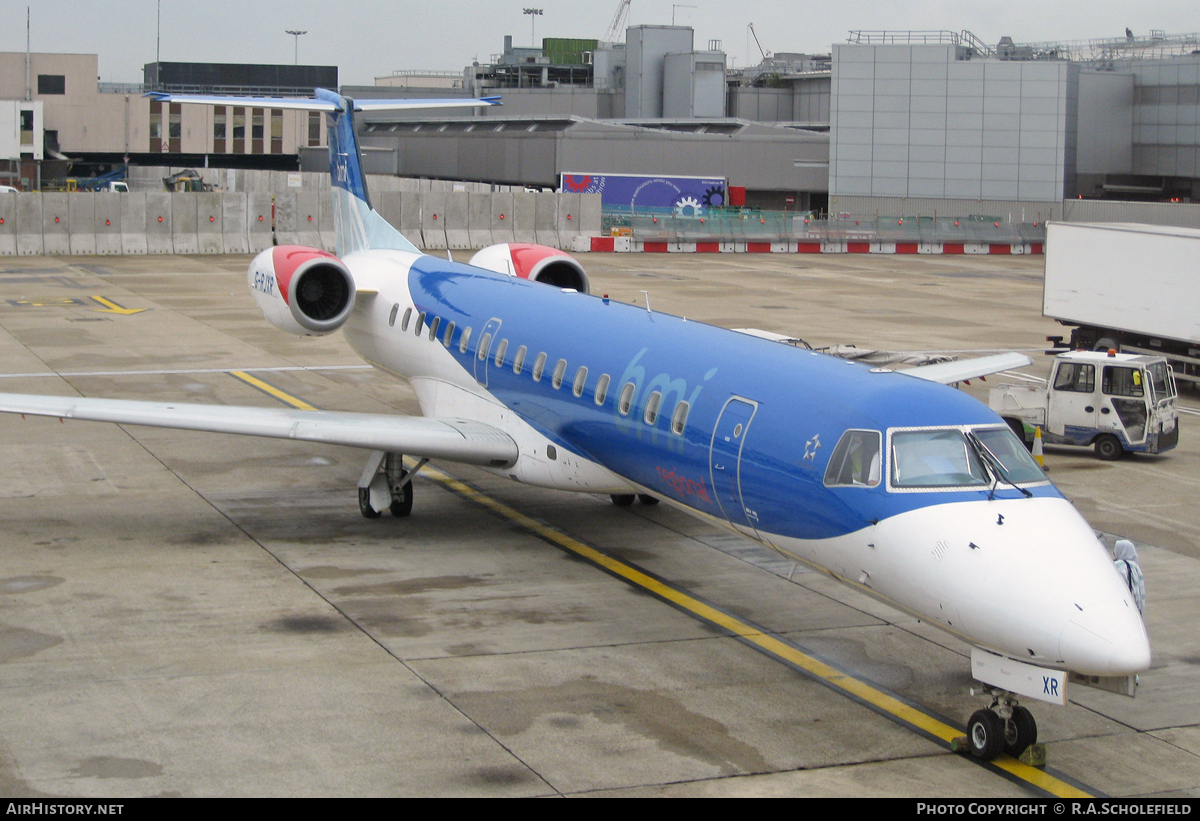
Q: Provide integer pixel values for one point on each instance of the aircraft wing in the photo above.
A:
(457, 440)
(961, 370)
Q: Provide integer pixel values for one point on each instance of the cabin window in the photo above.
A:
(580, 381)
(1075, 376)
(449, 337)
(433, 326)
(560, 370)
(466, 337)
(1122, 381)
(539, 365)
(392, 317)
(404, 321)
(626, 400)
(935, 458)
(679, 418)
(501, 349)
(519, 360)
(484, 342)
(652, 403)
(420, 323)
(602, 389)
(855, 460)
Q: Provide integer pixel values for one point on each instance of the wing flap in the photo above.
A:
(962, 369)
(457, 440)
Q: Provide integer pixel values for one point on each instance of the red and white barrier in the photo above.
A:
(630, 245)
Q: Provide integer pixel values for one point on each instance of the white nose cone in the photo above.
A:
(1106, 638)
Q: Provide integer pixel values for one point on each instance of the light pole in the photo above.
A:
(678, 6)
(533, 15)
(296, 34)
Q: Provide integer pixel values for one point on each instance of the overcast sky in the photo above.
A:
(369, 38)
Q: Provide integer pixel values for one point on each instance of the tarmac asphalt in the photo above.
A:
(189, 614)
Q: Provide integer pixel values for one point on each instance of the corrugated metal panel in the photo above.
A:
(1183, 215)
(1008, 210)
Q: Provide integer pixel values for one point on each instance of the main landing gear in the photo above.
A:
(386, 484)
(1004, 727)
(626, 499)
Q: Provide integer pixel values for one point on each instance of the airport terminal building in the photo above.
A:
(887, 122)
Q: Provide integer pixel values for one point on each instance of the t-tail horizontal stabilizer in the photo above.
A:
(357, 225)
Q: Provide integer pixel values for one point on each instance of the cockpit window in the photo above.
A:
(1012, 459)
(855, 460)
(935, 458)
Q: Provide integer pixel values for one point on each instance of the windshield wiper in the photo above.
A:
(997, 467)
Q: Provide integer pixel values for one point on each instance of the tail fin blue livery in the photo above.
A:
(357, 225)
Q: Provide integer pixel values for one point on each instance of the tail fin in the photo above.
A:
(357, 225)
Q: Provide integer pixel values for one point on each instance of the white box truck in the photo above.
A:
(1126, 287)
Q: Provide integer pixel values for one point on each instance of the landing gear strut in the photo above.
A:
(386, 484)
(1004, 727)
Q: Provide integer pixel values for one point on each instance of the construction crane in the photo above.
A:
(616, 27)
(754, 33)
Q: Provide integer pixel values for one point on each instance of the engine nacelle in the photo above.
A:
(305, 291)
(536, 262)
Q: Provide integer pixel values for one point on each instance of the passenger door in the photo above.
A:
(724, 462)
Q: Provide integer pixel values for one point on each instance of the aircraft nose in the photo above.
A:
(1106, 638)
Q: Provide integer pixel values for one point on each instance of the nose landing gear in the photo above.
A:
(1004, 727)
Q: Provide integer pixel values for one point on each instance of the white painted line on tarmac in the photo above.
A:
(187, 370)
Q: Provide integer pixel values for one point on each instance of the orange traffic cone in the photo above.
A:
(1038, 454)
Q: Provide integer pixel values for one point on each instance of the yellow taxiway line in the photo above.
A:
(271, 390)
(885, 704)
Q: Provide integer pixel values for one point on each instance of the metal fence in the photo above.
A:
(748, 225)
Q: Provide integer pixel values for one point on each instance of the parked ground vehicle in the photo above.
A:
(1133, 288)
(1114, 402)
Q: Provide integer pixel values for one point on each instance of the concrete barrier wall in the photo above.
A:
(81, 210)
(210, 222)
(433, 220)
(239, 223)
(133, 224)
(259, 221)
(108, 223)
(29, 224)
(286, 226)
(185, 222)
(458, 235)
(308, 218)
(234, 239)
(56, 235)
(8, 223)
(524, 211)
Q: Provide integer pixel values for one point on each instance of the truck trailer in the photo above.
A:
(1129, 288)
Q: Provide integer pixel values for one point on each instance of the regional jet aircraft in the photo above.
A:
(897, 485)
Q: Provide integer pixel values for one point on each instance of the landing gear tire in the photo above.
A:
(647, 499)
(1106, 343)
(1108, 448)
(985, 735)
(1019, 731)
(364, 504)
(623, 499)
(402, 502)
